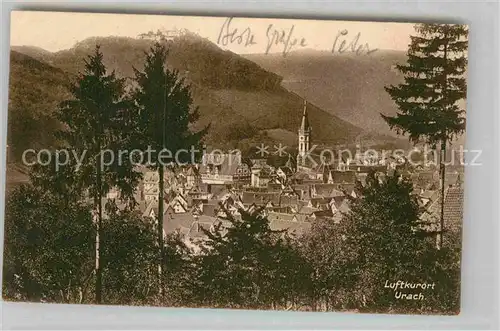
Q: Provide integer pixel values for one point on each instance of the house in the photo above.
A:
(453, 207)
(211, 208)
(192, 176)
(452, 212)
(150, 185)
(176, 222)
(325, 190)
(366, 168)
(179, 204)
(428, 196)
(303, 191)
(220, 168)
(243, 173)
(261, 176)
(291, 200)
(152, 209)
(151, 194)
(284, 210)
(260, 198)
(341, 177)
(275, 216)
(339, 205)
(319, 203)
(262, 162)
(285, 173)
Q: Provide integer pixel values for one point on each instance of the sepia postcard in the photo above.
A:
(235, 163)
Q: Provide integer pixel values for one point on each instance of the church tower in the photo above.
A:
(304, 137)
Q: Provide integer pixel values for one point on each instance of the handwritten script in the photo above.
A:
(284, 40)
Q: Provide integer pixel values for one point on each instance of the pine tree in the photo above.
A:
(245, 264)
(96, 119)
(434, 84)
(165, 113)
(384, 242)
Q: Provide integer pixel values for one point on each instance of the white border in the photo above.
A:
(480, 271)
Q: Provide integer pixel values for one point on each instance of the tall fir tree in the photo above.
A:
(435, 82)
(165, 113)
(97, 121)
(384, 241)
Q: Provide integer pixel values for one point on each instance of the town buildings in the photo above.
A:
(200, 196)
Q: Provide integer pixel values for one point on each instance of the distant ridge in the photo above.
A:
(245, 103)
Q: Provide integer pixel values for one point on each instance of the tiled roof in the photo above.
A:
(452, 178)
(285, 209)
(362, 178)
(323, 189)
(344, 207)
(227, 163)
(319, 201)
(305, 210)
(453, 210)
(348, 188)
(195, 231)
(453, 206)
(338, 200)
(149, 207)
(273, 216)
(260, 197)
(191, 171)
(340, 177)
(173, 222)
(210, 209)
(218, 189)
(287, 200)
(363, 168)
(151, 177)
(429, 194)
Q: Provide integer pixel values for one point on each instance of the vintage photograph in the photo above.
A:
(235, 163)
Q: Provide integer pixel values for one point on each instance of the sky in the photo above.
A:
(56, 31)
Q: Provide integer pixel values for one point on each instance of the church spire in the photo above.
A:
(304, 126)
(304, 137)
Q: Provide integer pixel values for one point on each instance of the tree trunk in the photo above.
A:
(161, 198)
(161, 185)
(442, 160)
(98, 269)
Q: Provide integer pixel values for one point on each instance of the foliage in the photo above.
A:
(98, 119)
(96, 124)
(248, 265)
(165, 109)
(129, 253)
(163, 120)
(326, 252)
(386, 243)
(434, 83)
(48, 252)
